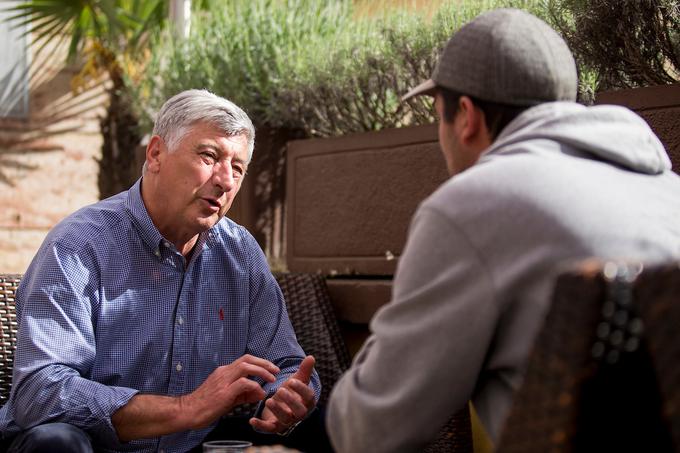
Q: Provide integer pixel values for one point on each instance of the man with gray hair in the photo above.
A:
(537, 181)
(146, 317)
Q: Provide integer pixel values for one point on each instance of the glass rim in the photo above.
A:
(228, 443)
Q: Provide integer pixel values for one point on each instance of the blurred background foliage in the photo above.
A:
(324, 67)
(107, 40)
(318, 68)
(623, 44)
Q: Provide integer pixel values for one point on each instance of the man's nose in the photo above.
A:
(223, 176)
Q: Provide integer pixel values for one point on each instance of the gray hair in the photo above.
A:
(183, 110)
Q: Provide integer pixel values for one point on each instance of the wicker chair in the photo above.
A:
(8, 329)
(311, 313)
(603, 374)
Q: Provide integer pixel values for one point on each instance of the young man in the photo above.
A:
(146, 317)
(538, 181)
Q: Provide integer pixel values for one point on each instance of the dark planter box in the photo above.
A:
(350, 199)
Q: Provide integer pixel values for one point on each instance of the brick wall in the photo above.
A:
(48, 161)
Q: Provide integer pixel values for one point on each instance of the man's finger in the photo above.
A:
(305, 393)
(294, 402)
(263, 425)
(246, 388)
(304, 373)
(264, 363)
(281, 411)
(255, 370)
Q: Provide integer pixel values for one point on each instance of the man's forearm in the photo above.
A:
(147, 416)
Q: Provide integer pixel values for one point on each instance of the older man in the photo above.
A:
(146, 317)
(537, 181)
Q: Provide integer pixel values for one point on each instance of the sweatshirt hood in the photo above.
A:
(611, 133)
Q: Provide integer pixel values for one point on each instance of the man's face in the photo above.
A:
(201, 176)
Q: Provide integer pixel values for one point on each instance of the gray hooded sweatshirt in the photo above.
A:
(562, 183)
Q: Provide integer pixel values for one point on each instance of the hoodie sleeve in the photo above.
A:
(427, 345)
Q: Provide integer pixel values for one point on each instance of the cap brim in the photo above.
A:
(428, 87)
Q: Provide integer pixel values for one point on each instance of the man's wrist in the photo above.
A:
(184, 417)
(292, 427)
(286, 432)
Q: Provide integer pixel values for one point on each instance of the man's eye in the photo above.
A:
(209, 157)
(238, 170)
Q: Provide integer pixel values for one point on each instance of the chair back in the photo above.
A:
(8, 330)
(311, 314)
(455, 436)
(602, 375)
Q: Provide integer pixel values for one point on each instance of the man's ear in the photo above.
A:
(474, 123)
(154, 149)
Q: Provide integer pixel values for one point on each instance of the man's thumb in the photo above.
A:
(304, 373)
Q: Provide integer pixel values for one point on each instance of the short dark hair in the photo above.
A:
(496, 115)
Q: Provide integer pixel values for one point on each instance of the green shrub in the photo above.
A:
(240, 49)
(313, 65)
(359, 88)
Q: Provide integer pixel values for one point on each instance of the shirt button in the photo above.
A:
(167, 244)
(157, 253)
(180, 321)
(179, 367)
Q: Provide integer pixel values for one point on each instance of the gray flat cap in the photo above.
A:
(507, 56)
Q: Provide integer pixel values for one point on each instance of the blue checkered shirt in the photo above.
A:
(108, 309)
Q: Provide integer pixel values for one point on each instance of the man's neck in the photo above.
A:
(187, 248)
(184, 241)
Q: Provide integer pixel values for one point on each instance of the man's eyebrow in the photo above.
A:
(220, 152)
(208, 145)
(240, 161)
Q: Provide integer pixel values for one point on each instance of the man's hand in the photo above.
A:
(291, 402)
(227, 387)
(146, 416)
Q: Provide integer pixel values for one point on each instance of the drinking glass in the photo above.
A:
(226, 446)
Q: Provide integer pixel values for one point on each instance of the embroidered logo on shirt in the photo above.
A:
(221, 315)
